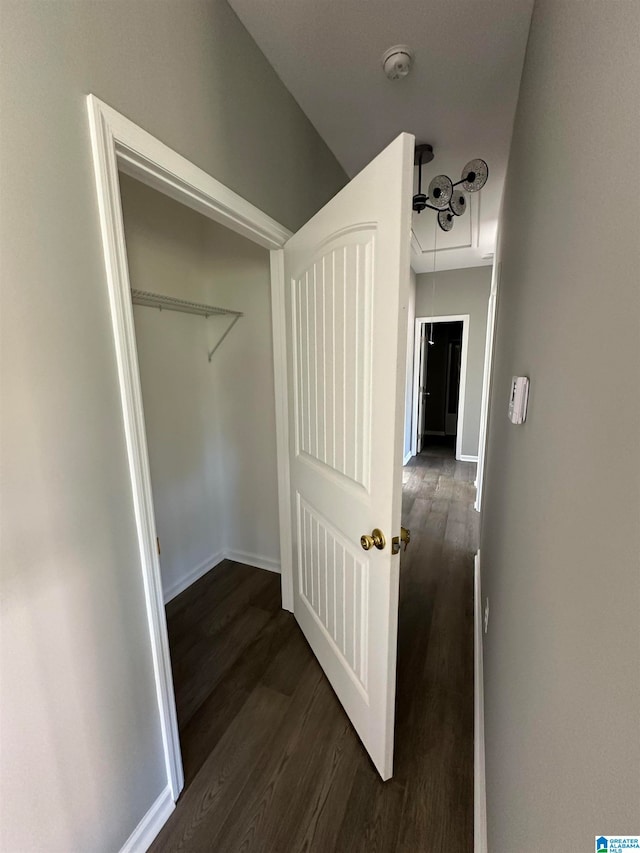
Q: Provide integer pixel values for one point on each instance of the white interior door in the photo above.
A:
(347, 277)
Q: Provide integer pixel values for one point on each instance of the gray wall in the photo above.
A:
(560, 538)
(81, 749)
(463, 291)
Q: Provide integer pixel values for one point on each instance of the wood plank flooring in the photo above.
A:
(271, 761)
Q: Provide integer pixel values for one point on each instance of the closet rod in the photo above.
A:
(156, 300)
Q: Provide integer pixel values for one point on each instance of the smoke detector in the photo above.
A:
(397, 61)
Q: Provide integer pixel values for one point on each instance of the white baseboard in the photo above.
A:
(479, 779)
(407, 457)
(146, 831)
(464, 457)
(256, 560)
(214, 560)
(194, 575)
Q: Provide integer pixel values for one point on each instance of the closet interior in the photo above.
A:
(202, 314)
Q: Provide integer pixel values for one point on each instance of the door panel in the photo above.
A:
(453, 387)
(333, 341)
(347, 276)
(436, 382)
(334, 587)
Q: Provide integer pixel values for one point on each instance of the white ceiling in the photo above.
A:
(460, 97)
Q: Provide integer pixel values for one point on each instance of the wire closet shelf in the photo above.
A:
(171, 303)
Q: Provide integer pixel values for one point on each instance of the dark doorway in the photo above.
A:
(441, 371)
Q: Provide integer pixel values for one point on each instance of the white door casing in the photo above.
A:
(118, 144)
(346, 298)
(420, 366)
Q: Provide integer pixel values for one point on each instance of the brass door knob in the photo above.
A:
(376, 538)
(405, 536)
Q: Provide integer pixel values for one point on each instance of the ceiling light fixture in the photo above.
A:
(443, 197)
(424, 154)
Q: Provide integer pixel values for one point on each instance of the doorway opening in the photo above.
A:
(207, 385)
(440, 364)
(441, 385)
(121, 146)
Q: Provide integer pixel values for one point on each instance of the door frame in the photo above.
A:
(118, 144)
(443, 318)
(487, 376)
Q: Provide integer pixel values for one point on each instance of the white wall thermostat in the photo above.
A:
(518, 399)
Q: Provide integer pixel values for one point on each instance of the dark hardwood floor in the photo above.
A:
(271, 761)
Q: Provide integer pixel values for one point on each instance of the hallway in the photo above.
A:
(271, 761)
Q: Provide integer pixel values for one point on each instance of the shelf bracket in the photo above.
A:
(224, 335)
